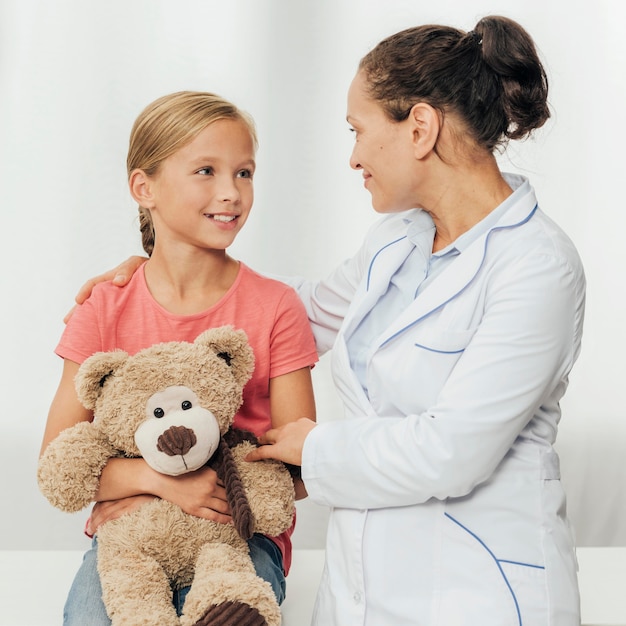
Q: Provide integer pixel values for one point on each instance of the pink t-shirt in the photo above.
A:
(269, 311)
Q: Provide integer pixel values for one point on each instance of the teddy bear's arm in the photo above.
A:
(69, 470)
(270, 491)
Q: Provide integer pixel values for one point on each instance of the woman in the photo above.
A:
(453, 330)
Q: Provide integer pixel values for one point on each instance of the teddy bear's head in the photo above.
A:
(171, 402)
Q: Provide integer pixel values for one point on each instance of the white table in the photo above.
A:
(33, 586)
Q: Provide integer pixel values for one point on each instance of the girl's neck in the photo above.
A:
(191, 281)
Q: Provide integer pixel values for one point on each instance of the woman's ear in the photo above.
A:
(425, 126)
(140, 185)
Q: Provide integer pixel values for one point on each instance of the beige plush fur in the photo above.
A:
(143, 554)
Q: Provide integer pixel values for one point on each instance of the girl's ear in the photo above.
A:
(426, 124)
(140, 185)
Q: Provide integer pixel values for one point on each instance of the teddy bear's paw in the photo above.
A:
(231, 614)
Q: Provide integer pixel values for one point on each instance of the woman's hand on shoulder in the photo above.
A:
(119, 275)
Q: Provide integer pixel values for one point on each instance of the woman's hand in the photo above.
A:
(119, 276)
(284, 443)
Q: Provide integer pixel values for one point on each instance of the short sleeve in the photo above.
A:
(292, 343)
(81, 337)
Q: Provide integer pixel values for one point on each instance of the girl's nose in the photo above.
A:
(228, 191)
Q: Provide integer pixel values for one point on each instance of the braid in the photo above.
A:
(147, 230)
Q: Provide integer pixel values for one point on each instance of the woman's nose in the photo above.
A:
(354, 162)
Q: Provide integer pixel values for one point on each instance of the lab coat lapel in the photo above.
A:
(454, 278)
(382, 268)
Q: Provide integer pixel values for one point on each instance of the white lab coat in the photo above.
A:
(446, 502)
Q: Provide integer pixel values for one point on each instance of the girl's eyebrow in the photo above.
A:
(211, 160)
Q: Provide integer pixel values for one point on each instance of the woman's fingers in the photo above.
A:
(284, 443)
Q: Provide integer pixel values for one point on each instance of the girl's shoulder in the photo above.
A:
(252, 279)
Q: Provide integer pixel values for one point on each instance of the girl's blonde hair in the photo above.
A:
(168, 124)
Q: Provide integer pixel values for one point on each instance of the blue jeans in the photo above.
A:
(84, 602)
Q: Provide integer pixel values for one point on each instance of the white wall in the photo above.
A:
(75, 73)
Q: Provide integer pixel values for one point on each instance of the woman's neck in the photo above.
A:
(464, 199)
(190, 282)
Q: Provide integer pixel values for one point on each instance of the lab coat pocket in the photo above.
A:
(528, 584)
(504, 592)
(444, 341)
(431, 357)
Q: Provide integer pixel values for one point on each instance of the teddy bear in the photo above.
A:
(173, 404)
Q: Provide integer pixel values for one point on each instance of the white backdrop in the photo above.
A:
(75, 73)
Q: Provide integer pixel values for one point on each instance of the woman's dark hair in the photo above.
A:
(490, 77)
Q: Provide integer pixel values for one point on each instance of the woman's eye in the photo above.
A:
(205, 171)
(245, 174)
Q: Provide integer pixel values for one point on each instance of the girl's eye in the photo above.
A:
(245, 174)
(205, 171)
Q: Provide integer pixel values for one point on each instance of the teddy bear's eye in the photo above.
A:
(186, 405)
(159, 412)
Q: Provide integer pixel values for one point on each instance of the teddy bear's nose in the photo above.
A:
(176, 440)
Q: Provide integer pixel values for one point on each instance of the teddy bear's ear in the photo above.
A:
(93, 373)
(232, 346)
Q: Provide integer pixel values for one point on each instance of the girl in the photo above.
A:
(190, 164)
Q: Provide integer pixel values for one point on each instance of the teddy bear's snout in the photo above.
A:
(176, 440)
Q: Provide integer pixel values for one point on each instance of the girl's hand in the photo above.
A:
(198, 493)
(284, 443)
(112, 509)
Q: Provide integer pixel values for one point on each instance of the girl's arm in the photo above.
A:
(198, 493)
(66, 409)
(127, 484)
(291, 397)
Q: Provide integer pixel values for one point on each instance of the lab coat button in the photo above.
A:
(357, 597)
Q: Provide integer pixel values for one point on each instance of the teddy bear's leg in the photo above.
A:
(135, 589)
(226, 591)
